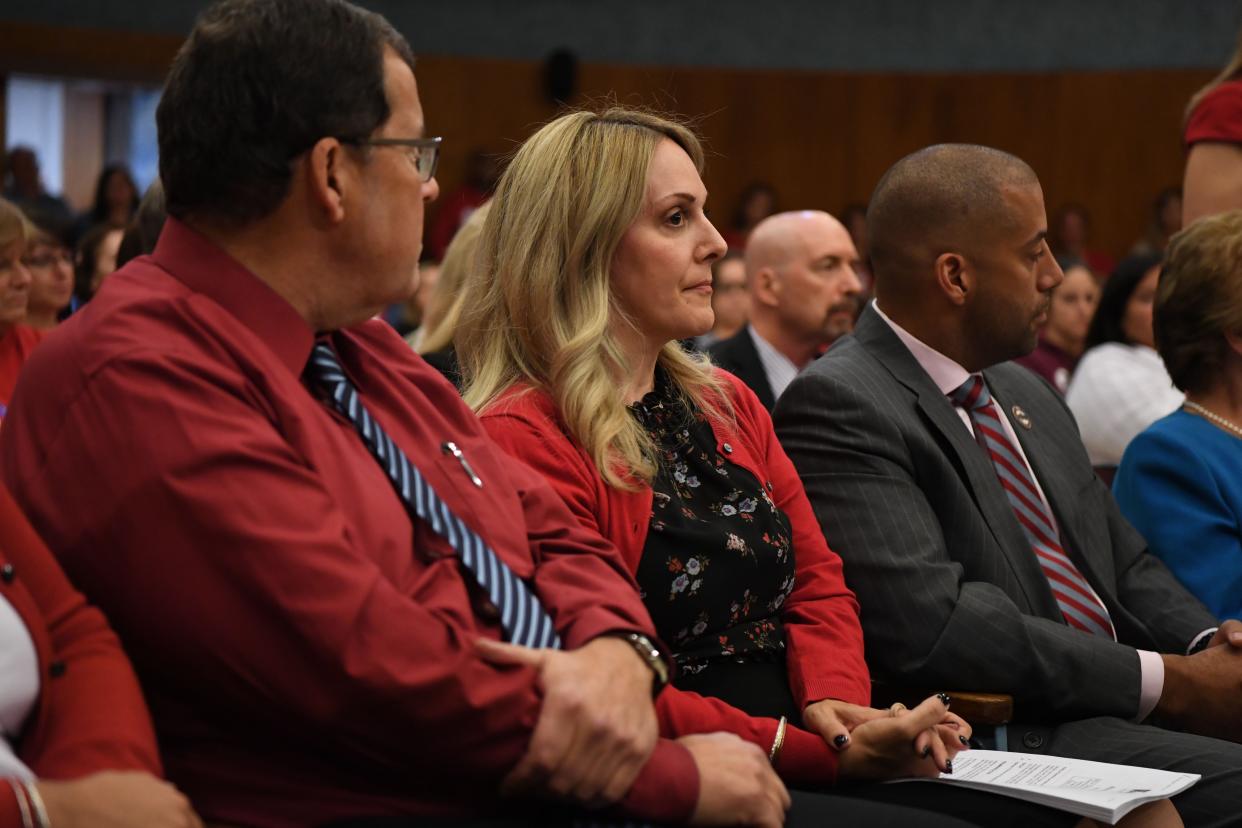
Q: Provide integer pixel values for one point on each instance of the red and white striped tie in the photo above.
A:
(1079, 604)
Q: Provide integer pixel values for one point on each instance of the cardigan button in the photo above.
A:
(56, 669)
(728, 449)
(7, 573)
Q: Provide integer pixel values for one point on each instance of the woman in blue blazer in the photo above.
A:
(1180, 481)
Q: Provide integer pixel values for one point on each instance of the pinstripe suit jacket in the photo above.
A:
(951, 592)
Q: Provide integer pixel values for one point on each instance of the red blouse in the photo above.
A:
(1218, 117)
(90, 714)
(824, 638)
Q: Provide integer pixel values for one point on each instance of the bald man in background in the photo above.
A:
(955, 487)
(804, 288)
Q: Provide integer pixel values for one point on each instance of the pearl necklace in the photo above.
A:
(1228, 425)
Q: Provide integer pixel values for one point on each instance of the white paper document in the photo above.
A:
(1099, 790)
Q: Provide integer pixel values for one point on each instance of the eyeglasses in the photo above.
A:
(48, 259)
(423, 153)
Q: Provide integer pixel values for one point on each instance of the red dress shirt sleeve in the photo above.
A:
(1218, 117)
(667, 789)
(536, 439)
(822, 627)
(259, 577)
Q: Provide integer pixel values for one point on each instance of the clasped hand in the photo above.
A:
(597, 725)
(1200, 691)
(889, 744)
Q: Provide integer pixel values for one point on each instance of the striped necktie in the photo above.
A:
(523, 618)
(1079, 604)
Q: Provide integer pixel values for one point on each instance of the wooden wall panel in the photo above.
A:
(1109, 140)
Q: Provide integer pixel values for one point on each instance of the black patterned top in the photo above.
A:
(717, 564)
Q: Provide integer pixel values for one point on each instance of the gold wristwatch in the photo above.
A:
(651, 655)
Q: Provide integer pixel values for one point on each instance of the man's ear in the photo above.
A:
(766, 289)
(954, 277)
(327, 175)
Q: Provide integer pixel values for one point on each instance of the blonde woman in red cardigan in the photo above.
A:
(76, 744)
(594, 262)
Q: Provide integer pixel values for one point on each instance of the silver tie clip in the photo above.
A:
(451, 448)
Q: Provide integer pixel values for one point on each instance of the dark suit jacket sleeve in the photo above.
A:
(924, 622)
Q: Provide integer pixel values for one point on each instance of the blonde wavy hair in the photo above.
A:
(539, 306)
(447, 298)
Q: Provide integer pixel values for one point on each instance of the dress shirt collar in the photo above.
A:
(206, 269)
(946, 373)
(779, 368)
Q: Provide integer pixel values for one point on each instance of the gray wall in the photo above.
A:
(834, 35)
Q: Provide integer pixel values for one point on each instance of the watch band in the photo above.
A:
(651, 655)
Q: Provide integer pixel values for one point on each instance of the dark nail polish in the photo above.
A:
(944, 697)
(840, 740)
(964, 740)
(927, 751)
(948, 766)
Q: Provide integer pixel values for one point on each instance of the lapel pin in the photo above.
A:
(1020, 416)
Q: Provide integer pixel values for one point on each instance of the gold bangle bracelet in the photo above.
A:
(23, 806)
(778, 742)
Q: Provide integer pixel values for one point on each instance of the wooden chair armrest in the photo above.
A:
(980, 709)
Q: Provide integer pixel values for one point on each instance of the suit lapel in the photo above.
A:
(968, 457)
(1044, 456)
(756, 377)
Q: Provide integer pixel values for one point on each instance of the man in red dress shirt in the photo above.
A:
(311, 652)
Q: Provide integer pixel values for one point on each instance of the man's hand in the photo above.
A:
(1201, 692)
(916, 743)
(1230, 632)
(597, 725)
(737, 785)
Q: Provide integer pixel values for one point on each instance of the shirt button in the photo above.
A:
(1032, 740)
(56, 669)
(728, 449)
(7, 573)
(769, 485)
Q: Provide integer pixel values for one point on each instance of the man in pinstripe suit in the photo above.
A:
(955, 591)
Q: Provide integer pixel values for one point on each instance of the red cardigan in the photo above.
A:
(90, 715)
(823, 634)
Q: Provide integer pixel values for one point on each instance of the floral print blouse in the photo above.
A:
(717, 564)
